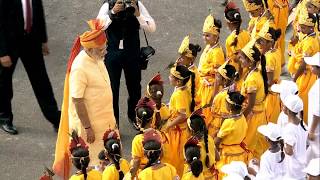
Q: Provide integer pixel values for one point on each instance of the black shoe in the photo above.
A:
(9, 128)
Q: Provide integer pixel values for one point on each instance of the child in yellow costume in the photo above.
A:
(181, 105)
(80, 159)
(209, 154)
(155, 91)
(155, 169)
(144, 115)
(194, 168)
(313, 7)
(255, 89)
(308, 46)
(226, 78)
(211, 59)
(280, 11)
(232, 133)
(259, 15)
(188, 53)
(117, 167)
(238, 37)
(266, 41)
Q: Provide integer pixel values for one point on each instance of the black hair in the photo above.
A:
(275, 35)
(152, 151)
(238, 98)
(80, 159)
(195, 48)
(218, 24)
(192, 153)
(313, 17)
(199, 128)
(231, 72)
(257, 2)
(102, 155)
(318, 21)
(281, 143)
(186, 73)
(234, 17)
(113, 148)
(145, 114)
(258, 56)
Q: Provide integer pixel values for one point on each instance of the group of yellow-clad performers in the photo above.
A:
(216, 108)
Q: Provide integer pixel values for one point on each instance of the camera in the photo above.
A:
(127, 5)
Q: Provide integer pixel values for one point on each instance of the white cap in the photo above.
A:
(314, 60)
(271, 130)
(313, 167)
(285, 88)
(235, 168)
(294, 103)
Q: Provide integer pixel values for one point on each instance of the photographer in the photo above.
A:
(122, 20)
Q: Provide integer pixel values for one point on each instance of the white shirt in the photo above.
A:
(145, 20)
(282, 120)
(270, 168)
(314, 104)
(24, 8)
(297, 138)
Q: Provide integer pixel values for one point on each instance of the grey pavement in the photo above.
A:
(22, 157)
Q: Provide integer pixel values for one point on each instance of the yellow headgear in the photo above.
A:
(316, 3)
(184, 47)
(251, 6)
(264, 32)
(305, 19)
(248, 50)
(222, 71)
(176, 73)
(209, 26)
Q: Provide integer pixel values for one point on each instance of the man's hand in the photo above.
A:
(136, 12)
(118, 7)
(90, 135)
(311, 136)
(5, 61)
(45, 49)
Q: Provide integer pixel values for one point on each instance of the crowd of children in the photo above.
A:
(232, 117)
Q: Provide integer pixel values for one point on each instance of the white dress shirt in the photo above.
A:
(145, 20)
(24, 8)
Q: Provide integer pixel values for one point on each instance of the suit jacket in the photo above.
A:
(12, 26)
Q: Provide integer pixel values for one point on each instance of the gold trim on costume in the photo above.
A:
(264, 32)
(248, 50)
(209, 27)
(222, 71)
(251, 6)
(184, 47)
(305, 19)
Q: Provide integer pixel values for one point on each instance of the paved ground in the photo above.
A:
(23, 156)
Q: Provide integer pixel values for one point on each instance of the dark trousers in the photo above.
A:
(33, 62)
(115, 63)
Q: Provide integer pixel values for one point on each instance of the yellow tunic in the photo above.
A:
(180, 101)
(111, 172)
(255, 142)
(231, 50)
(273, 100)
(210, 61)
(89, 80)
(189, 176)
(92, 175)
(232, 132)
(308, 47)
(164, 114)
(165, 172)
(256, 25)
(208, 172)
(219, 110)
(280, 11)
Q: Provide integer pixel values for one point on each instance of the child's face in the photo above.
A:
(184, 60)
(312, 9)
(244, 60)
(173, 80)
(313, 177)
(209, 38)
(257, 12)
(315, 70)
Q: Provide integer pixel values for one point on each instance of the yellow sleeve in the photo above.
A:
(94, 174)
(226, 128)
(307, 48)
(124, 166)
(230, 50)
(77, 83)
(216, 107)
(137, 149)
(181, 103)
(218, 57)
(270, 62)
(250, 84)
(145, 174)
(164, 112)
(110, 173)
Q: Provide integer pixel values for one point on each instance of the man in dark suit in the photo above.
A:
(23, 35)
